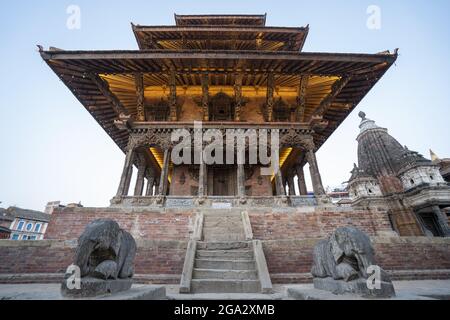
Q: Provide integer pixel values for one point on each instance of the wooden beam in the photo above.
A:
(173, 95)
(104, 89)
(140, 105)
(301, 98)
(270, 99)
(205, 96)
(335, 90)
(238, 96)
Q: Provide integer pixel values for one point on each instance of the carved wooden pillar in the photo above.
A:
(301, 181)
(124, 185)
(291, 185)
(279, 185)
(315, 174)
(205, 96)
(163, 182)
(173, 95)
(150, 185)
(241, 173)
(202, 178)
(238, 97)
(442, 221)
(139, 188)
(140, 105)
(270, 99)
(301, 99)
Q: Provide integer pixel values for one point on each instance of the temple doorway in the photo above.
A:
(222, 181)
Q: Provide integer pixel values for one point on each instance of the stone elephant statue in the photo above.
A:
(105, 251)
(345, 255)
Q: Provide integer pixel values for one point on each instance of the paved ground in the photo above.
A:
(406, 290)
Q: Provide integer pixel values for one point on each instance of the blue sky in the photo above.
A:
(52, 149)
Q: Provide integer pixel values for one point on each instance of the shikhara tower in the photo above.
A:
(227, 228)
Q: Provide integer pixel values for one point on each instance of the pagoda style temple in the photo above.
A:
(227, 72)
(239, 225)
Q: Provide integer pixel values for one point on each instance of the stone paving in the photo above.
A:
(406, 290)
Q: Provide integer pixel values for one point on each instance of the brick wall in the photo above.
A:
(404, 258)
(54, 256)
(319, 223)
(69, 223)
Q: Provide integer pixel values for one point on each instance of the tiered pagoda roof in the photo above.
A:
(221, 46)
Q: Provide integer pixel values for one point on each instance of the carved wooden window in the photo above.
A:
(158, 112)
(281, 111)
(221, 107)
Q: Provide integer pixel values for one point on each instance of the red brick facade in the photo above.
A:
(288, 239)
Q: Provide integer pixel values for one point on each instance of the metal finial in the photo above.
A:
(362, 115)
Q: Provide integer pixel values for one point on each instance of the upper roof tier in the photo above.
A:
(220, 32)
(221, 20)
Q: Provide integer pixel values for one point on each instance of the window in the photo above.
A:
(15, 236)
(29, 227)
(20, 225)
(32, 238)
(37, 228)
(24, 237)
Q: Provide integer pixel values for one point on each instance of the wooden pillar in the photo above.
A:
(442, 221)
(301, 98)
(163, 182)
(301, 181)
(124, 185)
(241, 173)
(270, 93)
(291, 185)
(150, 185)
(202, 178)
(279, 186)
(173, 95)
(139, 188)
(140, 105)
(238, 97)
(315, 174)
(205, 96)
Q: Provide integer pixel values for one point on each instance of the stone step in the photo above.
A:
(224, 237)
(223, 228)
(225, 274)
(224, 264)
(225, 286)
(220, 223)
(224, 245)
(225, 254)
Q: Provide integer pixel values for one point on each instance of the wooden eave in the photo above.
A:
(220, 37)
(219, 19)
(75, 69)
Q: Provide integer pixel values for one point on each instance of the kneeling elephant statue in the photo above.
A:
(105, 251)
(345, 255)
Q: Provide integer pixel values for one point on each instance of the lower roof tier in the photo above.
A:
(103, 80)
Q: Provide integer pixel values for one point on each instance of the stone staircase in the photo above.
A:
(223, 261)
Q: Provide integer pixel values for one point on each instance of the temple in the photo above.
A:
(228, 72)
(241, 224)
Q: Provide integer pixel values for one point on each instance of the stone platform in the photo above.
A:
(52, 292)
(406, 290)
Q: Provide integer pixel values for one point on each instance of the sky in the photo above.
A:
(52, 149)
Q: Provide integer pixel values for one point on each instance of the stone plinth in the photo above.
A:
(357, 287)
(92, 287)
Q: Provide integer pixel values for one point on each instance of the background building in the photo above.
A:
(28, 224)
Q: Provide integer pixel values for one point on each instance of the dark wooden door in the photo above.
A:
(223, 181)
